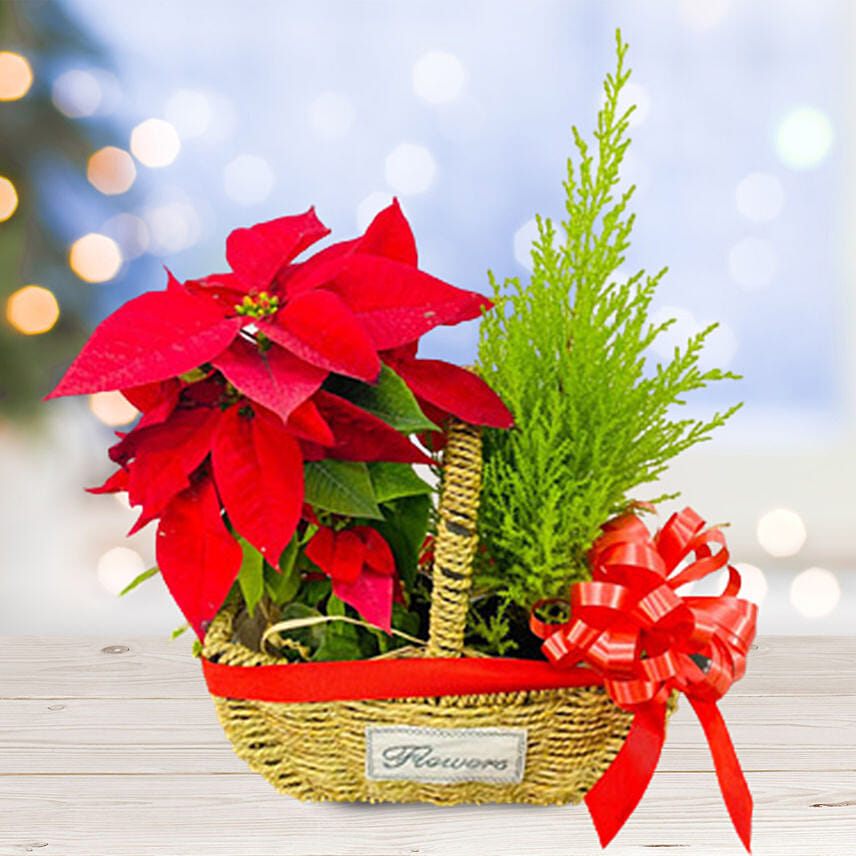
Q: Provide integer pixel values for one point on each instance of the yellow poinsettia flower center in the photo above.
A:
(261, 305)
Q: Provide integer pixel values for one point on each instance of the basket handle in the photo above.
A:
(456, 541)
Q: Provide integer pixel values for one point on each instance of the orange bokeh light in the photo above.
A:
(112, 408)
(95, 258)
(111, 170)
(8, 199)
(16, 76)
(32, 310)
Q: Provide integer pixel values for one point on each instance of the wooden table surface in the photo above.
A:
(111, 746)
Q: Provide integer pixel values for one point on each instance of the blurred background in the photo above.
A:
(137, 135)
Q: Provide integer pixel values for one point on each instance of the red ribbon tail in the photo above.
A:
(618, 791)
(733, 785)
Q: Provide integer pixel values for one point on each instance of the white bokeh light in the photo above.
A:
(753, 583)
(331, 115)
(703, 14)
(633, 94)
(129, 232)
(804, 138)
(524, 237)
(172, 227)
(121, 499)
(189, 112)
(719, 349)
(781, 532)
(438, 77)
(410, 169)
(76, 93)
(760, 197)
(720, 345)
(224, 119)
(371, 205)
(752, 262)
(119, 567)
(155, 143)
(815, 592)
(676, 335)
(248, 179)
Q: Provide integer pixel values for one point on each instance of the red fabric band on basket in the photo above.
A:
(379, 679)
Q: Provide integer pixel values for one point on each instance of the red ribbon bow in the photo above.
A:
(629, 625)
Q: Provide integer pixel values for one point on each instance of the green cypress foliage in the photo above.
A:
(567, 353)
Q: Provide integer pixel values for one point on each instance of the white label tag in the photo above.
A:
(445, 755)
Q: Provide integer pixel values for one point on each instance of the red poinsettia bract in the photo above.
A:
(361, 565)
(232, 439)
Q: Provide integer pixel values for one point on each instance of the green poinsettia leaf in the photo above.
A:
(311, 636)
(390, 399)
(393, 481)
(343, 487)
(282, 584)
(140, 578)
(404, 526)
(251, 576)
(343, 641)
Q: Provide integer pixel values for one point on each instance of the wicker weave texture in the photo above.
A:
(317, 750)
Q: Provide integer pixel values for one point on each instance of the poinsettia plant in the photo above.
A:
(278, 403)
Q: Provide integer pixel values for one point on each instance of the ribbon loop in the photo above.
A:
(645, 641)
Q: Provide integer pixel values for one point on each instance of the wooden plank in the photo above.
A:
(98, 667)
(55, 667)
(796, 815)
(184, 736)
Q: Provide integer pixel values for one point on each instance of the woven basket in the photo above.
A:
(318, 750)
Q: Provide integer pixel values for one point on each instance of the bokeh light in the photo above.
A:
(118, 567)
(633, 95)
(371, 205)
(523, 239)
(815, 592)
(248, 179)
(720, 346)
(683, 326)
(155, 143)
(760, 197)
(32, 310)
(189, 112)
(16, 76)
(95, 257)
(112, 408)
(781, 532)
(173, 226)
(752, 262)
(130, 232)
(754, 584)
(410, 168)
(331, 115)
(8, 198)
(804, 138)
(76, 93)
(111, 170)
(438, 77)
